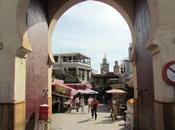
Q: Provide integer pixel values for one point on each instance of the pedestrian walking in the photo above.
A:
(77, 103)
(82, 104)
(94, 106)
(89, 103)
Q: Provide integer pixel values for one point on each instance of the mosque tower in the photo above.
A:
(116, 68)
(104, 67)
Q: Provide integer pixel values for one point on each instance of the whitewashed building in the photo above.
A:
(72, 67)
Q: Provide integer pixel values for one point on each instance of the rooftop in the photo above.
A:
(73, 54)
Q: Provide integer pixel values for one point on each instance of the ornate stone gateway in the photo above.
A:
(25, 59)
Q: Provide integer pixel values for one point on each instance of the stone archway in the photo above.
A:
(150, 18)
(127, 13)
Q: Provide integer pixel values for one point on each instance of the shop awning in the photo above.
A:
(60, 95)
(80, 86)
(59, 87)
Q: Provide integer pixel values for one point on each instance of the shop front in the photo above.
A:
(60, 95)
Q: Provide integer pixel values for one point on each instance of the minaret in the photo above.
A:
(104, 67)
(116, 67)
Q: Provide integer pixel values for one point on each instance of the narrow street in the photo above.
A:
(78, 121)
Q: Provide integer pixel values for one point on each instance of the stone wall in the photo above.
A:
(37, 68)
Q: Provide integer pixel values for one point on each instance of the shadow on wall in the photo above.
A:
(30, 125)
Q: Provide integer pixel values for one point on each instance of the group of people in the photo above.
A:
(79, 102)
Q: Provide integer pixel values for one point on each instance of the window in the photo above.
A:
(56, 58)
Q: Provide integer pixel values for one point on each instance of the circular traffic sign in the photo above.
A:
(168, 73)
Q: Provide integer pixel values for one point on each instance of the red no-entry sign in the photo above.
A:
(168, 73)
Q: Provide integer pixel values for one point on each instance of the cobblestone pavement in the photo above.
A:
(83, 121)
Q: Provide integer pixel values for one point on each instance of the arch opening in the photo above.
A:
(99, 23)
(58, 17)
(69, 4)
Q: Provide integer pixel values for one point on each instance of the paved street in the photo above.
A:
(78, 121)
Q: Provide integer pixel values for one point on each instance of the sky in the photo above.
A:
(94, 29)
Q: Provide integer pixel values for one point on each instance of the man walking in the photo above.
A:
(89, 103)
(94, 106)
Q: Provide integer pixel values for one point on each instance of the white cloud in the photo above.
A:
(92, 28)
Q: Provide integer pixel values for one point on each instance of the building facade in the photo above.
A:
(104, 82)
(72, 67)
(125, 70)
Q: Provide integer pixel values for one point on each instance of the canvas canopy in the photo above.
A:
(116, 91)
(87, 91)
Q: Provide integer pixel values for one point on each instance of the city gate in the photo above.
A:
(26, 28)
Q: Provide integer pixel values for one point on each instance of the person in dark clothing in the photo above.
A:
(94, 106)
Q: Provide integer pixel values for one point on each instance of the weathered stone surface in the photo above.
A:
(160, 43)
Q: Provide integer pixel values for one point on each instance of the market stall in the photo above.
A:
(61, 94)
(118, 102)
